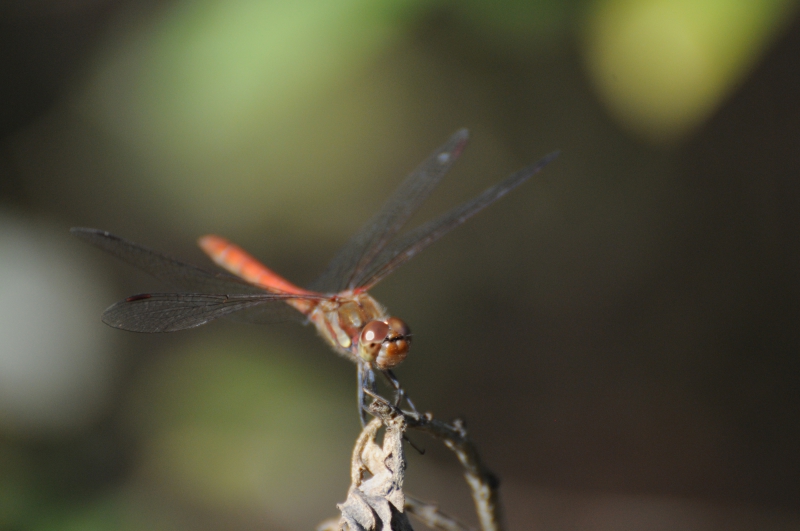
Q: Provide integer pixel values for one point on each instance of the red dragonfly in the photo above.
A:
(337, 303)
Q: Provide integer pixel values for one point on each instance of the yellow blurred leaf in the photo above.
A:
(663, 66)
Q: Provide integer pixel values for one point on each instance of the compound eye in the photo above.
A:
(395, 349)
(393, 353)
(371, 338)
(398, 327)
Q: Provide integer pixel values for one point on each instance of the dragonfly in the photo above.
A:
(337, 303)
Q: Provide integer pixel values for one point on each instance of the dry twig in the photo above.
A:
(482, 483)
(377, 502)
(430, 515)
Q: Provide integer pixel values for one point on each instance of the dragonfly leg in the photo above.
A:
(399, 394)
(366, 380)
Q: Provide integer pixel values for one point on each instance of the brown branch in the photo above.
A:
(482, 483)
(430, 515)
(375, 500)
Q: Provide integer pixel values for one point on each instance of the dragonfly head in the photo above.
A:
(384, 343)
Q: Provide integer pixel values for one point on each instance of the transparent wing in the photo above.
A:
(360, 251)
(268, 313)
(408, 245)
(218, 294)
(169, 312)
(174, 272)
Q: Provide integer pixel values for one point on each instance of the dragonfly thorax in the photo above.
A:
(356, 326)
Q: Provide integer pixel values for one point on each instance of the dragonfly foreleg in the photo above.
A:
(366, 380)
(399, 393)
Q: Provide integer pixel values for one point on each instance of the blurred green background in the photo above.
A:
(621, 333)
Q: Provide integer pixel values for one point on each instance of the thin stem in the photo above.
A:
(376, 499)
(482, 482)
(431, 516)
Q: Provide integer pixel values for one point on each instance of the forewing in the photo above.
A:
(408, 245)
(359, 252)
(268, 314)
(169, 312)
(174, 272)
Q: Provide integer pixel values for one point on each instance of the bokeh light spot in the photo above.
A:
(204, 77)
(56, 364)
(235, 424)
(663, 66)
(223, 103)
